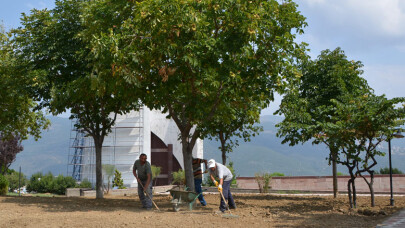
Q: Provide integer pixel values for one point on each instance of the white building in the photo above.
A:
(143, 131)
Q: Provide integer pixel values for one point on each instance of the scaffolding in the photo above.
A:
(121, 148)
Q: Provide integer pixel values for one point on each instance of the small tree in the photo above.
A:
(263, 180)
(13, 178)
(109, 172)
(155, 172)
(118, 181)
(9, 148)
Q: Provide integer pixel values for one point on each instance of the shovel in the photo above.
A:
(230, 215)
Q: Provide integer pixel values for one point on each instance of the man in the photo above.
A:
(225, 178)
(198, 178)
(144, 177)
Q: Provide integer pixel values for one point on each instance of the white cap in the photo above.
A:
(211, 163)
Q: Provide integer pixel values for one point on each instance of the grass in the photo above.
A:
(35, 194)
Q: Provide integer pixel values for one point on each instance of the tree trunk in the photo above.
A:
(223, 150)
(370, 186)
(354, 193)
(99, 172)
(188, 164)
(349, 192)
(334, 172)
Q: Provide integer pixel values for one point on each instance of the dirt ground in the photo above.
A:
(254, 210)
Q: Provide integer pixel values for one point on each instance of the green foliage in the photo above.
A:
(109, 172)
(179, 177)
(85, 183)
(341, 174)
(276, 174)
(263, 181)
(49, 184)
(21, 118)
(14, 178)
(118, 181)
(386, 170)
(61, 183)
(3, 185)
(232, 169)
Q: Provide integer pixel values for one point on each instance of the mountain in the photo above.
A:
(264, 153)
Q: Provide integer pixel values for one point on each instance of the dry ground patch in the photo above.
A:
(254, 210)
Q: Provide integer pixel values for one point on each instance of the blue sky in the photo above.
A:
(371, 31)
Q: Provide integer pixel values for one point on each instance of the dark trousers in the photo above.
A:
(145, 200)
(226, 190)
(198, 189)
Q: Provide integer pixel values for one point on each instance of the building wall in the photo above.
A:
(325, 184)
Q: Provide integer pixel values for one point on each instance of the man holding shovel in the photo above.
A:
(224, 186)
(144, 178)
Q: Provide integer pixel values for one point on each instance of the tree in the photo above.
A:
(118, 181)
(358, 126)
(9, 148)
(309, 102)
(155, 172)
(109, 171)
(70, 69)
(189, 57)
(19, 116)
(229, 128)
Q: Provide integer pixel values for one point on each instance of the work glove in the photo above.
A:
(216, 183)
(220, 188)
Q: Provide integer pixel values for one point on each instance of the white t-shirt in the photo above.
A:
(222, 172)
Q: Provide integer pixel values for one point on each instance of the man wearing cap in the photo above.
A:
(144, 177)
(198, 178)
(225, 178)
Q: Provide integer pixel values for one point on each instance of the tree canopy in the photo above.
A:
(189, 56)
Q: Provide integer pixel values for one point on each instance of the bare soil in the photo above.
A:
(254, 210)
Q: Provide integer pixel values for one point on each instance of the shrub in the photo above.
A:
(263, 180)
(276, 174)
(386, 170)
(35, 184)
(118, 181)
(13, 180)
(85, 183)
(3, 185)
(179, 177)
(232, 169)
(61, 183)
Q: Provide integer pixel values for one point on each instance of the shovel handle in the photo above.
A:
(148, 196)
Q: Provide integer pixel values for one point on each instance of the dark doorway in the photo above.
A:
(162, 156)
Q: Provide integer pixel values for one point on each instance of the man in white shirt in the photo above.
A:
(225, 178)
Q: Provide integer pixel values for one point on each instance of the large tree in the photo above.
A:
(72, 71)
(330, 76)
(359, 126)
(189, 56)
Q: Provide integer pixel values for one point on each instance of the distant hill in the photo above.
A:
(264, 153)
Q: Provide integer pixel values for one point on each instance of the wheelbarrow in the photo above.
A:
(183, 197)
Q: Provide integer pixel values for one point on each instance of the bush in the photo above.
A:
(155, 172)
(386, 170)
(230, 167)
(3, 185)
(61, 183)
(13, 180)
(85, 183)
(49, 184)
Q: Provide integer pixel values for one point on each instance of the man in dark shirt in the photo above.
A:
(198, 178)
(144, 176)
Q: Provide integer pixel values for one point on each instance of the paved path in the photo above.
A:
(395, 221)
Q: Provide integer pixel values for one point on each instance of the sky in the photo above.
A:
(370, 31)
